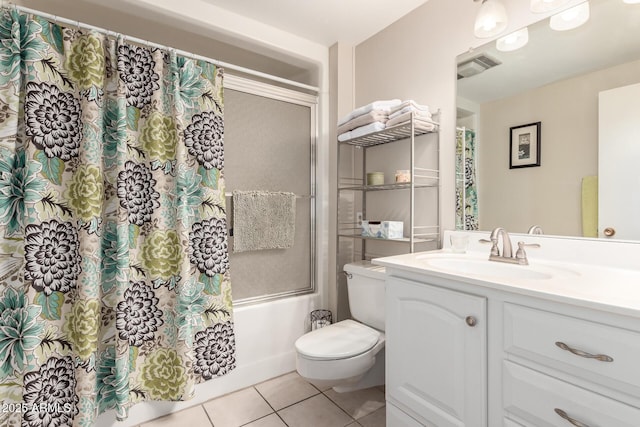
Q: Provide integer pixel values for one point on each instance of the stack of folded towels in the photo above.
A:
(401, 114)
(380, 115)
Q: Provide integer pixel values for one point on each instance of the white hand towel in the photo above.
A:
(361, 131)
(385, 105)
(363, 120)
(407, 110)
(405, 117)
(409, 103)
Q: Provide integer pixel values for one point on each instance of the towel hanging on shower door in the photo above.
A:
(263, 220)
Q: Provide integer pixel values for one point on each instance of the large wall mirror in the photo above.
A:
(555, 86)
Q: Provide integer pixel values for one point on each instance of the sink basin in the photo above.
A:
(468, 266)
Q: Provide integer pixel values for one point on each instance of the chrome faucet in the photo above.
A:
(507, 251)
(506, 243)
(535, 229)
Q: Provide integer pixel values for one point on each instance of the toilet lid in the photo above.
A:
(344, 339)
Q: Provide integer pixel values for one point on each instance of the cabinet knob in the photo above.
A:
(609, 231)
(471, 321)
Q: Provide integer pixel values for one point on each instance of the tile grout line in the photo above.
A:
(310, 397)
(348, 414)
(271, 406)
(307, 398)
(207, 414)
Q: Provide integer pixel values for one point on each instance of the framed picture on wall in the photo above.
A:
(524, 146)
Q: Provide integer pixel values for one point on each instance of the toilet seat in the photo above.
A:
(341, 340)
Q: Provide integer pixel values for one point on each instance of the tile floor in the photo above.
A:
(285, 401)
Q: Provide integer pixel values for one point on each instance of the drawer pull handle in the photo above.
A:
(566, 416)
(471, 321)
(600, 357)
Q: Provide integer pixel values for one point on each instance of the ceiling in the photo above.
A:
(323, 21)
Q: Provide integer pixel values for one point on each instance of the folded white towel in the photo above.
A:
(411, 104)
(406, 114)
(376, 105)
(420, 125)
(370, 117)
(405, 117)
(362, 130)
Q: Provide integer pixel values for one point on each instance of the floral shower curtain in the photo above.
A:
(466, 182)
(114, 269)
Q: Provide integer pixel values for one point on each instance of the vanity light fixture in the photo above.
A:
(513, 41)
(541, 6)
(570, 18)
(491, 19)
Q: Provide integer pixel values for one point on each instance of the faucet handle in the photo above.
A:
(494, 248)
(535, 229)
(521, 255)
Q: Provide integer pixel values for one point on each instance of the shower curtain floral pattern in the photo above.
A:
(466, 182)
(114, 269)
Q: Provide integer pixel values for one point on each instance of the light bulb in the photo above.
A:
(491, 19)
(570, 18)
(513, 41)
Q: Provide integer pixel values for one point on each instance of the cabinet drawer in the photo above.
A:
(531, 397)
(570, 344)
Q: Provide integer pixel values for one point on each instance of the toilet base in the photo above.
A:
(374, 376)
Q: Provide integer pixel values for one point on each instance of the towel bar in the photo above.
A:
(298, 196)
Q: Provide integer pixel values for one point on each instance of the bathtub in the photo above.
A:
(265, 336)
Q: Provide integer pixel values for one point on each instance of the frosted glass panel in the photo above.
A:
(268, 146)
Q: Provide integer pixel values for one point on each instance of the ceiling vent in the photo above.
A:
(476, 65)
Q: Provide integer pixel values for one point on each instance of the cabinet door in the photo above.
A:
(618, 154)
(436, 353)
(397, 418)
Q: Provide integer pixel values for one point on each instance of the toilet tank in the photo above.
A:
(365, 286)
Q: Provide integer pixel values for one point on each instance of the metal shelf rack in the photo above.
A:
(421, 178)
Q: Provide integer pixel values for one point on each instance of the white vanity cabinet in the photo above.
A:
(563, 370)
(435, 356)
(466, 353)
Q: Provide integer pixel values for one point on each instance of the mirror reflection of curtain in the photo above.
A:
(114, 281)
(466, 180)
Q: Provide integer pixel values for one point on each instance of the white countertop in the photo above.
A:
(612, 287)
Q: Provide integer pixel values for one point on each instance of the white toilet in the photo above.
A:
(349, 355)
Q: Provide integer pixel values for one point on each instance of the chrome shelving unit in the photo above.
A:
(421, 178)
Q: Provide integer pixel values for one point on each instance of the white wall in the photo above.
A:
(198, 27)
(341, 100)
(415, 58)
